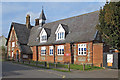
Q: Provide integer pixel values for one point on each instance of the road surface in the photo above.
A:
(12, 70)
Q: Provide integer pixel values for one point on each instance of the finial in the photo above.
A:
(42, 7)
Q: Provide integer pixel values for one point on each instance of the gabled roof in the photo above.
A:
(21, 31)
(80, 29)
(48, 31)
(22, 34)
(59, 29)
(65, 28)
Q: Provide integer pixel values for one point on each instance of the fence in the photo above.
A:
(65, 67)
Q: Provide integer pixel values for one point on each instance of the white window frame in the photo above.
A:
(50, 50)
(13, 44)
(82, 49)
(43, 50)
(43, 33)
(60, 36)
(44, 39)
(60, 30)
(12, 54)
(60, 50)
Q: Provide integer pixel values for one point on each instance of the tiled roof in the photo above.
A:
(80, 29)
(25, 49)
(22, 34)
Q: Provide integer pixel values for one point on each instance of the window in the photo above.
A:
(60, 35)
(13, 44)
(50, 50)
(60, 32)
(60, 50)
(81, 49)
(12, 54)
(44, 38)
(43, 50)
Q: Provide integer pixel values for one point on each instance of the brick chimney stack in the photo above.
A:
(36, 22)
(28, 21)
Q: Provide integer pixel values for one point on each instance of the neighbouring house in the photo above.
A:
(71, 40)
(3, 47)
(3, 41)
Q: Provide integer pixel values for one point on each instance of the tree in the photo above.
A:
(3, 52)
(109, 24)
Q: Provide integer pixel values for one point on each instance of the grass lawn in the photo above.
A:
(76, 67)
(80, 67)
(41, 67)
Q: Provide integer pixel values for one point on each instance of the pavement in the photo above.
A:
(13, 70)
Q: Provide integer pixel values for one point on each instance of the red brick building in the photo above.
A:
(73, 40)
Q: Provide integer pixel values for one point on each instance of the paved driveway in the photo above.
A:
(12, 70)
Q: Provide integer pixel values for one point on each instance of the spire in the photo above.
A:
(42, 18)
(42, 15)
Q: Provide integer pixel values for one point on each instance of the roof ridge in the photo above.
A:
(18, 23)
(72, 17)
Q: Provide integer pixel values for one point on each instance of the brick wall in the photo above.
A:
(47, 57)
(97, 54)
(34, 53)
(93, 54)
(67, 54)
(50, 58)
(80, 59)
(10, 49)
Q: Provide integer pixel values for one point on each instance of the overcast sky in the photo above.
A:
(17, 11)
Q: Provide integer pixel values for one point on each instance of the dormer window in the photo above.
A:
(60, 33)
(43, 36)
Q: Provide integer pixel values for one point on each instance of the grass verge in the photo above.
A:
(59, 65)
(77, 67)
(42, 67)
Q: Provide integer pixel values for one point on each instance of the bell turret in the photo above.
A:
(42, 18)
